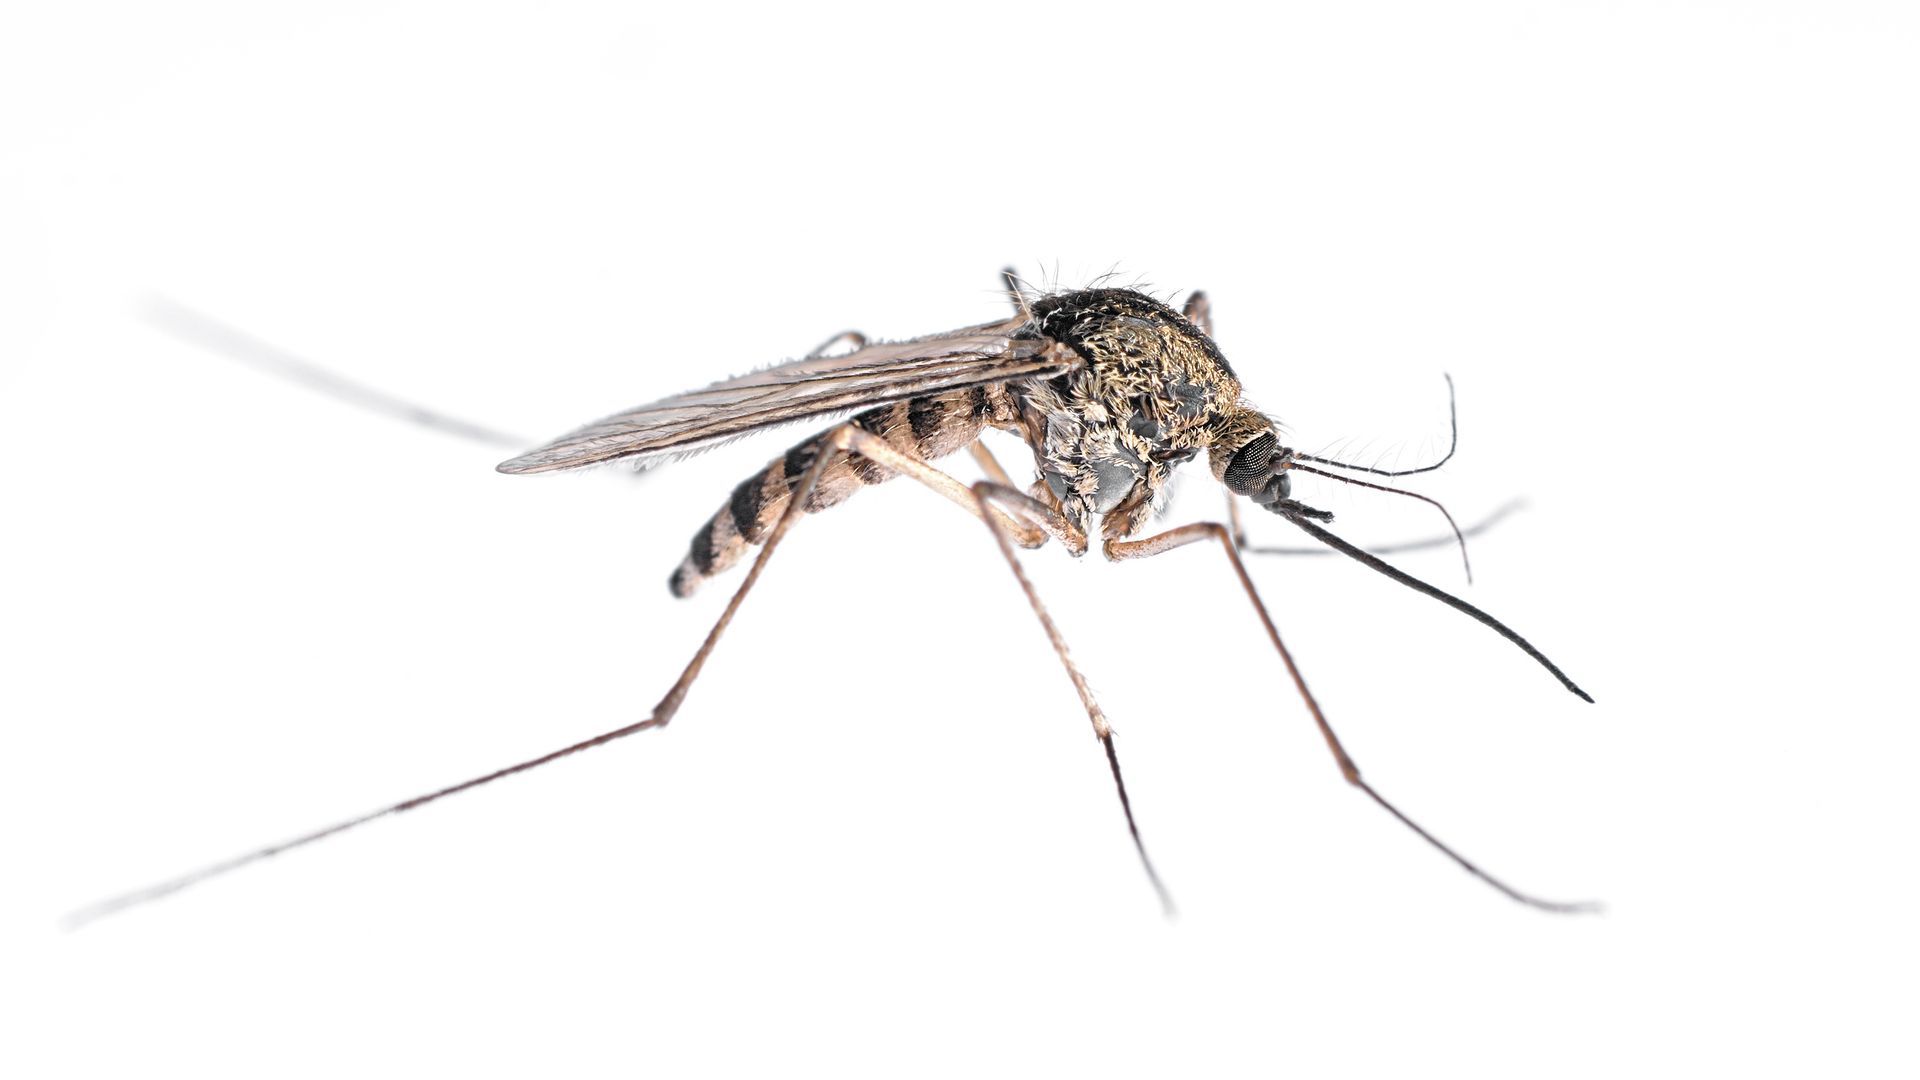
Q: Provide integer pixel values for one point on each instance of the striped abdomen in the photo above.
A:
(926, 427)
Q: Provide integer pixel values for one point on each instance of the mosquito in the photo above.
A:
(1111, 390)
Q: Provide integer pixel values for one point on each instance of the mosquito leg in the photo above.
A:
(1021, 505)
(1234, 523)
(1024, 505)
(1188, 534)
(1199, 312)
(868, 445)
(1029, 516)
(986, 501)
(1004, 492)
(841, 440)
(989, 464)
(848, 337)
(662, 713)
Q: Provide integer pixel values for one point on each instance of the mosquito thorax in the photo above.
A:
(1154, 393)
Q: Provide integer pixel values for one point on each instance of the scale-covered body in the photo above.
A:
(1111, 390)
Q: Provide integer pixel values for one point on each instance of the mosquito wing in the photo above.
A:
(799, 390)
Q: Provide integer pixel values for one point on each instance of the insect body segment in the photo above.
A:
(1153, 392)
(1145, 390)
(926, 428)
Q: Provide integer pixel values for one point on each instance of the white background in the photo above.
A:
(1666, 250)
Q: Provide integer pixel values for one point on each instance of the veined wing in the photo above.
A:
(800, 389)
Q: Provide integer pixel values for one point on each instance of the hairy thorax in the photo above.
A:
(1107, 436)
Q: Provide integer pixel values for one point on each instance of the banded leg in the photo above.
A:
(1036, 511)
(1186, 534)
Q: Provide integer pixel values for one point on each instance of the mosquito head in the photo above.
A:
(1246, 455)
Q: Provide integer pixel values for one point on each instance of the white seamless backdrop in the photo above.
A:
(1665, 251)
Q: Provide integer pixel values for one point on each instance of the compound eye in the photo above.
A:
(1251, 465)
